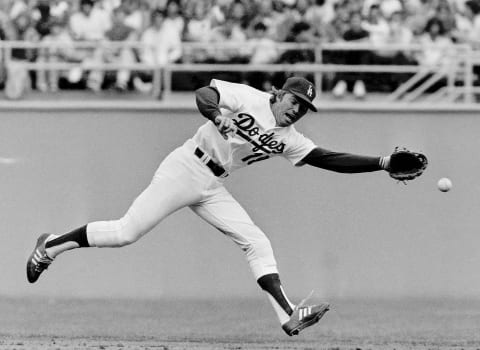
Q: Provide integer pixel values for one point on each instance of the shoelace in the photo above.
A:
(303, 302)
(43, 263)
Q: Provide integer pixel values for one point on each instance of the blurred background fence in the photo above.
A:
(451, 78)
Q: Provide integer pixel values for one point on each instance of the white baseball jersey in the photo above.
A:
(257, 137)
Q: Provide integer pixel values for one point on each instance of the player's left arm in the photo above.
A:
(344, 162)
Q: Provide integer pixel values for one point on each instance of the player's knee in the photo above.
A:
(258, 248)
(259, 254)
(125, 239)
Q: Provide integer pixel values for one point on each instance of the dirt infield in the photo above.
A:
(80, 344)
(234, 324)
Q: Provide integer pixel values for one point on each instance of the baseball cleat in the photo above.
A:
(304, 316)
(38, 261)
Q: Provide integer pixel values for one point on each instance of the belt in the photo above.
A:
(216, 169)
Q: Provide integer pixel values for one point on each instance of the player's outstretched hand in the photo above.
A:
(404, 165)
(225, 126)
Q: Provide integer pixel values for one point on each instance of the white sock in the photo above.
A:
(283, 317)
(52, 252)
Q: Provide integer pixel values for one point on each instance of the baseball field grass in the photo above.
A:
(235, 324)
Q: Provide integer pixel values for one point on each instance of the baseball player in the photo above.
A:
(244, 126)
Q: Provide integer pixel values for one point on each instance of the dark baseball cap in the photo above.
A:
(302, 89)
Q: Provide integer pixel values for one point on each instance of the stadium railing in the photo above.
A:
(455, 69)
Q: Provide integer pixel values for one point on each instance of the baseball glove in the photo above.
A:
(406, 165)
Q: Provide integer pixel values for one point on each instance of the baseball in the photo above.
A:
(444, 184)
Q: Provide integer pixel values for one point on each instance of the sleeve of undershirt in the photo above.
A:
(341, 162)
(207, 99)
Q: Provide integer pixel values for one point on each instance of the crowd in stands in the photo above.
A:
(255, 26)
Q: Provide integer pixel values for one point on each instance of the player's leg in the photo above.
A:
(172, 188)
(222, 211)
(158, 200)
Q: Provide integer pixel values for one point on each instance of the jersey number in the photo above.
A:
(255, 157)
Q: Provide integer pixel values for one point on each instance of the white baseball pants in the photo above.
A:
(183, 180)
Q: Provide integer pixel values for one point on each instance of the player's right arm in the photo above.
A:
(344, 162)
(208, 99)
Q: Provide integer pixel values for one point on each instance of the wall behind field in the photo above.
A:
(341, 235)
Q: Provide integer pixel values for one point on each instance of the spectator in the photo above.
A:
(134, 16)
(119, 32)
(263, 10)
(379, 33)
(398, 34)
(386, 7)
(60, 9)
(239, 13)
(218, 10)
(18, 7)
(339, 24)
(436, 46)
(4, 23)
(262, 51)
(22, 29)
(418, 14)
(174, 16)
(334, 30)
(233, 35)
(354, 6)
(468, 24)
(444, 13)
(377, 27)
(357, 34)
(262, 48)
(301, 33)
(198, 29)
(435, 55)
(199, 23)
(323, 10)
(162, 45)
(303, 12)
(280, 23)
(300, 9)
(272, 14)
(18, 78)
(59, 48)
(44, 20)
(232, 31)
(90, 23)
(464, 18)
(470, 33)
(402, 35)
(318, 15)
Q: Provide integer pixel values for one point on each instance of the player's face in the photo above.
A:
(288, 110)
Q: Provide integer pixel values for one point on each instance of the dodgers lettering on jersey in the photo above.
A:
(257, 138)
